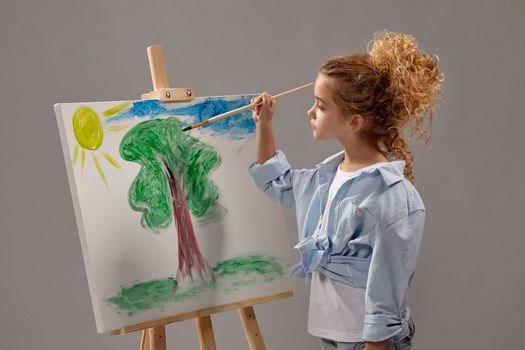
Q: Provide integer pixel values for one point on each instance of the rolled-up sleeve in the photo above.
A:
(275, 177)
(393, 263)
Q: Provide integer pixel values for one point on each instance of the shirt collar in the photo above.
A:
(391, 171)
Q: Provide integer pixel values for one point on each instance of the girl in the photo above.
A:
(360, 218)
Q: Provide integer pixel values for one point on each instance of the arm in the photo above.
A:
(392, 266)
(265, 143)
(272, 172)
(275, 177)
(262, 115)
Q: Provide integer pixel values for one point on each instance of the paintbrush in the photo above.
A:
(241, 109)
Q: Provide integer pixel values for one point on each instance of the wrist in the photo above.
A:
(264, 126)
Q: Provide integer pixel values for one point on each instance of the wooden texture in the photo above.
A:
(205, 332)
(157, 66)
(251, 328)
(153, 338)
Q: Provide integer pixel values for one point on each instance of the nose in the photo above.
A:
(311, 113)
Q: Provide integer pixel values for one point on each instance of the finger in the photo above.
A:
(268, 97)
(261, 99)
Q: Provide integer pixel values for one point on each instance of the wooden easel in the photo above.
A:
(154, 332)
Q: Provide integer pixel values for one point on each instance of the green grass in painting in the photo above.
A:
(231, 275)
(145, 295)
(142, 296)
(247, 264)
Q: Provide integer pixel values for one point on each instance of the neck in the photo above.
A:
(359, 154)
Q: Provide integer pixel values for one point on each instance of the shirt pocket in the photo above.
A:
(353, 234)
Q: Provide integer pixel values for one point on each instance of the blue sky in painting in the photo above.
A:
(235, 127)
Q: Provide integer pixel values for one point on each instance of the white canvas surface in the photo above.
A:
(118, 251)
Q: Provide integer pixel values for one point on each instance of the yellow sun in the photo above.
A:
(89, 134)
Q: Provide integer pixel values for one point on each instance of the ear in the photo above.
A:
(357, 122)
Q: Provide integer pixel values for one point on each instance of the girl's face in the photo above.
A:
(327, 119)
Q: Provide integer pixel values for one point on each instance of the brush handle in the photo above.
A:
(242, 109)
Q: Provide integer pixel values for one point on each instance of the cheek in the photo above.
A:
(328, 122)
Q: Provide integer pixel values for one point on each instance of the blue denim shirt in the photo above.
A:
(374, 230)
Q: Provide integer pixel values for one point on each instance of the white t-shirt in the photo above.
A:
(336, 310)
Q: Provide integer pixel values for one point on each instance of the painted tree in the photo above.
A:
(172, 182)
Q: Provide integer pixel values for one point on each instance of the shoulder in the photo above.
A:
(414, 200)
(332, 158)
(397, 201)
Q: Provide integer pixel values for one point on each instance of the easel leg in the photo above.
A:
(251, 328)
(205, 332)
(153, 338)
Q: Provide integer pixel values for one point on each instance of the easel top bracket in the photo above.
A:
(159, 76)
(166, 95)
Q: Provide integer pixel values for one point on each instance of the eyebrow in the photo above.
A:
(320, 99)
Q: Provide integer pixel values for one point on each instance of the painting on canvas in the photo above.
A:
(169, 221)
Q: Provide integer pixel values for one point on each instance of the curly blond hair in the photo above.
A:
(393, 85)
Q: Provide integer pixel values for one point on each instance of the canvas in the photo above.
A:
(170, 221)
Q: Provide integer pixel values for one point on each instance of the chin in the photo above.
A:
(318, 137)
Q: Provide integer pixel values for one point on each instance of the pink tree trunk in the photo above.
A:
(190, 257)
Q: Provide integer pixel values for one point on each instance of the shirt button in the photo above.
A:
(359, 212)
(403, 314)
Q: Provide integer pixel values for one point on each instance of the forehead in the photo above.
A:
(323, 87)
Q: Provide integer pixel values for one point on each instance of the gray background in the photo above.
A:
(467, 293)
